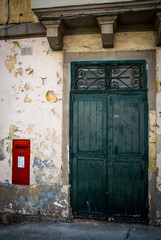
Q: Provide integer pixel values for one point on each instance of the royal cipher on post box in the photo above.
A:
(21, 162)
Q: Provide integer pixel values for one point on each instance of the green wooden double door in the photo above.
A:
(109, 156)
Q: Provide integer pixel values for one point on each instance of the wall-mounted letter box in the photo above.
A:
(21, 162)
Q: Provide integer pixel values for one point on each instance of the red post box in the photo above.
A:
(21, 162)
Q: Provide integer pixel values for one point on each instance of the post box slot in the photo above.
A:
(20, 147)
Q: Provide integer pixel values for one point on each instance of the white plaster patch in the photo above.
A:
(68, 152)
(58, 204)
(10, 205)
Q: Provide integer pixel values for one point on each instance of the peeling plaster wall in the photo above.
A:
(158, 135)
(41, 200)
(31, 108)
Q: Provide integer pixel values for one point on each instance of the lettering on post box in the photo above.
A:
(21, 162)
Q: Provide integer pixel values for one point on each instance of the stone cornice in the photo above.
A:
(97, 9)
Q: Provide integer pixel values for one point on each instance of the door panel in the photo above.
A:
(127, 156)
(89, 188)
(89, 154)
(89, 124)
(126, 197)
(126, 125)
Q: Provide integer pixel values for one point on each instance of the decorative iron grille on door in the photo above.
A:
(115, 76)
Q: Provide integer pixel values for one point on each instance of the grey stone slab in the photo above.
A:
(22, 30)
(74, 231)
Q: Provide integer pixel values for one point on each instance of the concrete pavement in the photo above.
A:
(78, 230)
